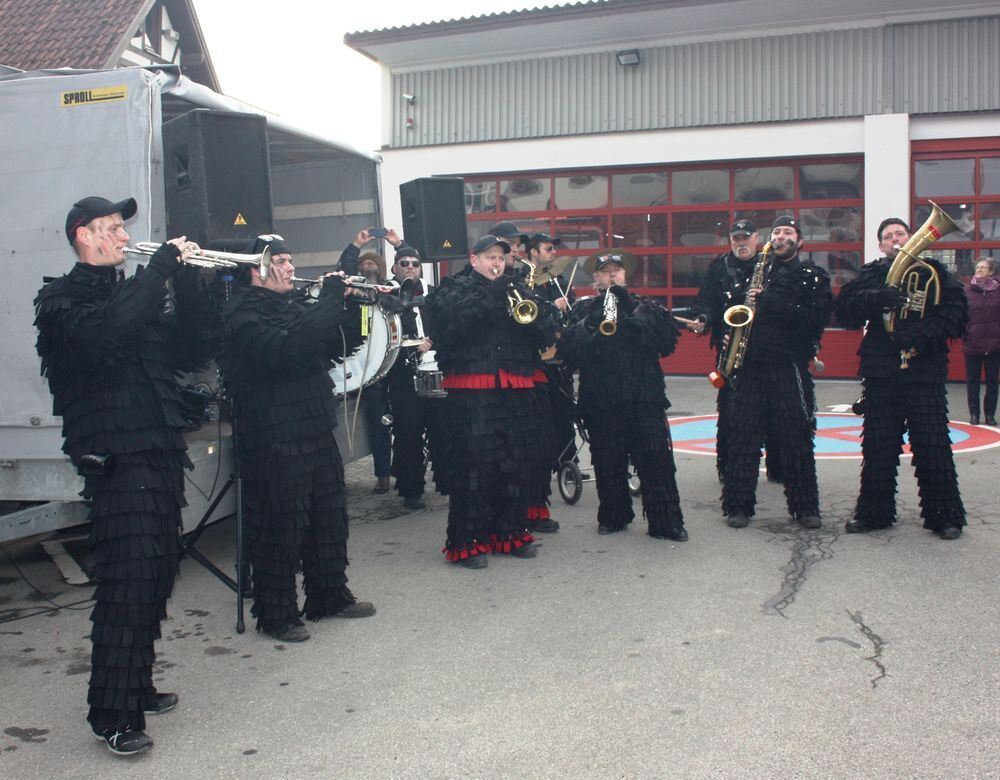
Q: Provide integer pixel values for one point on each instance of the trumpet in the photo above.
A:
(206, 258)
(523, 310)
(371, 291)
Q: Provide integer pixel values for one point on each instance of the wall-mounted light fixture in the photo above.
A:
(628, 57)
(410, 99)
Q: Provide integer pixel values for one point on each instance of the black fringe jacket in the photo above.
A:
(276, 361)
(111, 353)
(473, 332)
(623, 368)
(858, 304)
(792, 311)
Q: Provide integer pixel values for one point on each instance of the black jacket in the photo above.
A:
(111, 353)
(473, 332)
(623, 368)
(276, 361)
(858, 304)
(792, 311)
(724, 285)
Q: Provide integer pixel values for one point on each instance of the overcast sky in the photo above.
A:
(288, 56)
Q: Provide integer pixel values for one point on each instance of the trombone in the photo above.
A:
(207, 258)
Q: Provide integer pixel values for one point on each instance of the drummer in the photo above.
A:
(411, 413)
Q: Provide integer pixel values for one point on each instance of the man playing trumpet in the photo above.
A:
(110, 353)
(898, 399)
(276, 359)
(491, 412)
(618, 336)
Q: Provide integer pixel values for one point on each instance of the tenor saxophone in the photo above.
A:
(739, 319)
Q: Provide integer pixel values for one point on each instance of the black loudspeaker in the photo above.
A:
(434, 218)
(217, 176)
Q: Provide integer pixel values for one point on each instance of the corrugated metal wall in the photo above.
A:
(920, 68)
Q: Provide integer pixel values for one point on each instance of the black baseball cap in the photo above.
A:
(86, 210)
(487, 241)
(543, 238)
(626, 260)
(787, 220)
(742, 227)
(507, 230)
(407, 251)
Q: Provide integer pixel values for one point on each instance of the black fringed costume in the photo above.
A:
(623, 403)
(491, 417)
(772, 393)
(276, 361)
(111, 353)
(911, 400)
(724, 285)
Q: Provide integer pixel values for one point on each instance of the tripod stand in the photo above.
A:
(237, 584)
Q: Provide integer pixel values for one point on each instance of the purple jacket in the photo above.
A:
(983, 333)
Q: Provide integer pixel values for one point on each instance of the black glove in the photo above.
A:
(334, 286)
(626, 302)
(499, 288)
(891, 298)
(596, 315)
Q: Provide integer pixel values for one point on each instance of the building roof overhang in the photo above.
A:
(602, 25)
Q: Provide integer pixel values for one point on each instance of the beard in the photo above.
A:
(784, 249)
(371, 275)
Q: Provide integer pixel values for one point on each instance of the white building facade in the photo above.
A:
(841, 114)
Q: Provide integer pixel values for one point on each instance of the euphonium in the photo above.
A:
(739, 319)
(609, 325)
(918, 280)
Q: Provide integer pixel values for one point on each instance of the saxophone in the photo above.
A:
(739, 319)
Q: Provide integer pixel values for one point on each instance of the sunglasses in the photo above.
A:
(408, 263)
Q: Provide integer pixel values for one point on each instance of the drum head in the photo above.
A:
(363, 366)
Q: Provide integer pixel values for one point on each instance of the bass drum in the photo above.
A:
(376, 356)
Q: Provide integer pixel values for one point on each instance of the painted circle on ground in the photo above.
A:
(837, 436)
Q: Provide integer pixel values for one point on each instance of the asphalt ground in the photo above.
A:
(770, 651)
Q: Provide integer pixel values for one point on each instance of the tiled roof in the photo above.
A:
(39, 34)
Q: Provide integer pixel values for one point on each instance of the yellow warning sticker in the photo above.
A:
(86, 97)
(366, 317)
(446, 244)
(239, 219)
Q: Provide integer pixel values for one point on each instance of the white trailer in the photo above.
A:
(65, 134)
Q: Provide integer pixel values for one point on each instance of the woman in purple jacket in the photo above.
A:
(982, 338)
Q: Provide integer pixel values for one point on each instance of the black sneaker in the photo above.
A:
(128, 742)
(292, 632)
(164, 703)
(525, 551)
(549, 526)
(739, 520)
(475, 562)
(948, 532)
(810, 520)
(414, 502)
(359, 609)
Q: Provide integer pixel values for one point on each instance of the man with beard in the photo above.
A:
(276, 360)
(725, 285)
(491, 414)
(772, 392)
(623, 401)
(900, 397)
(111, 352)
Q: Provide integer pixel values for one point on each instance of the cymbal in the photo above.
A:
(554, 269)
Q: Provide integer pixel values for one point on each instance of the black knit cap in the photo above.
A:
(786, 220)
(86, 210)
(272, 240)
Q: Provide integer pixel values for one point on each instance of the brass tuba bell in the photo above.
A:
(917, 279)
